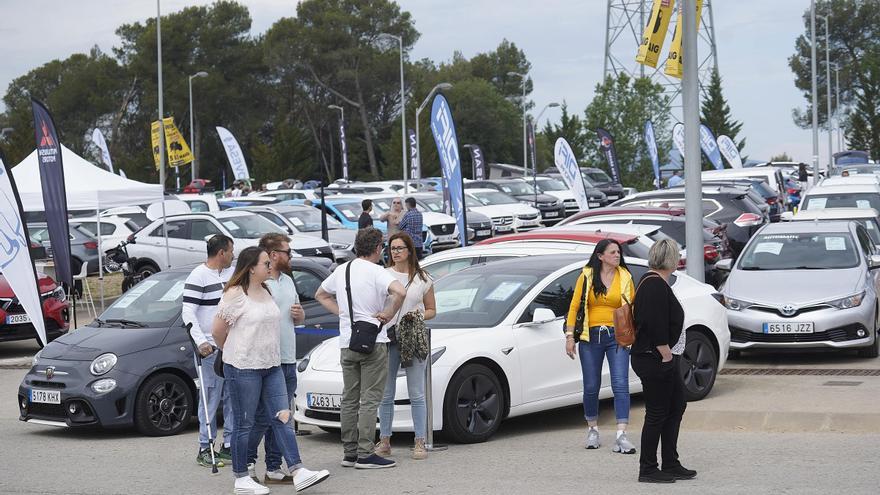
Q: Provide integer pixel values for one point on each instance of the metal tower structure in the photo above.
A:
(624, 24)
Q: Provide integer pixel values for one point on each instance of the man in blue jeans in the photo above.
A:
(284, 293)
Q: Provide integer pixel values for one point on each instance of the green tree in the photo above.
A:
(716, 113)
(783, 157)
(863, 126)
(571, 128)
(622, 105)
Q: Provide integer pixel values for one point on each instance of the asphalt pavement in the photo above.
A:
(802, 424)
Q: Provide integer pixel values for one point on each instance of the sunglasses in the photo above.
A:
(397, 249)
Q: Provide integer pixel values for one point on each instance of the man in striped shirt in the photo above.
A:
(201, 294)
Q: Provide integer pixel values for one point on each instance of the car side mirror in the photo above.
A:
(786, 216)
(724, 265)
(543, 315)
(874, 261)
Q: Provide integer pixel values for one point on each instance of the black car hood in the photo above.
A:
(87, 343)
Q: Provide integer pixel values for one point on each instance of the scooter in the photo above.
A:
(118, 259)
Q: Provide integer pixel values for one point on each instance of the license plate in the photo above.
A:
(552, 214)
(17, 319)
(446, 238)
(503, 229)
(611, 198)
(46, 396)
(324, 401)
(595, 204)
(484, 232)
(788, 327)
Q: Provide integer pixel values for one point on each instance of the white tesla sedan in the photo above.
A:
(498, 351)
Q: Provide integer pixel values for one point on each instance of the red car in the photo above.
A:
(15, 323)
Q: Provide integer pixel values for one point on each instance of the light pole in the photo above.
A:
(161, 131)
(402, 110)
(815, 98)
(525, 153)
(192, 142)
(535, 165)
(837, 107)
(828, 87)
(690, 97)
(440, 87)
(342, 145)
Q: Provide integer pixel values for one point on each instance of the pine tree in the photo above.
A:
(716, 113)
(863, 128)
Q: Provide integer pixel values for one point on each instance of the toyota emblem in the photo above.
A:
(789, 310)
(50, 372)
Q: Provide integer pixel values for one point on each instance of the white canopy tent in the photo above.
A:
(88, 187)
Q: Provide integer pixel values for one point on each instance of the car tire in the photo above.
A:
(474, 404)
(163, 406)
(146, 269)
(698, 366)
(873, 350)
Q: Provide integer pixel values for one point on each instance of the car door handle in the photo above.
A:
(507, 350)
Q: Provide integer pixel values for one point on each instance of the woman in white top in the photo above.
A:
(419, 298)
(248, 331)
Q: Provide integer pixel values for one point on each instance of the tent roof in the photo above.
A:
(88, 187)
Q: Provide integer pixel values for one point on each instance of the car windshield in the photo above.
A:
(491, 198)
(516, 188)
(352, 211)
(154, 301)
(843, 200)
(248, 226)
(477, 298)
(471, 202)
(551, 185)
(436, 204)
(807, 251)
(309, 220)
(597, 177)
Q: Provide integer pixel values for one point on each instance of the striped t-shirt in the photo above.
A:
(201, 294)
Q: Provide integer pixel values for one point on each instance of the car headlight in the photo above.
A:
(848, 302)
(303, 363)
(36, 359)
(435, 355)
(57, 293)
(104, 385)
(337, 245)
(735, 304)
(103, 363)
(530, 203)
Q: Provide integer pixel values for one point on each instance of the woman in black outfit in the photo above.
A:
(655, 357)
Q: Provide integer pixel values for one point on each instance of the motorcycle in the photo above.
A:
(117, 259)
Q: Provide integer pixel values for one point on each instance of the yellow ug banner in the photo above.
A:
(655, 32)
(176, 149)
(674, 64)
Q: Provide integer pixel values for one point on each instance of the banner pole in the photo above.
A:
(430, 446)
(100, 258)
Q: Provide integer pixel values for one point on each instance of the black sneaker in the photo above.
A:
(656, 477)
(349, 461)
(374, 462)
(204, 458)
(681, 473)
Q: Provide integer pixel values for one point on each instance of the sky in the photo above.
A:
(564, 41)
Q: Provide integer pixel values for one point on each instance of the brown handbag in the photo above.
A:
(624, 326)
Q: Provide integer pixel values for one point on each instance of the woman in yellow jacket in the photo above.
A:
(604, 286)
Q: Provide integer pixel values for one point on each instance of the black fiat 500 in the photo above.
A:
(134, 365)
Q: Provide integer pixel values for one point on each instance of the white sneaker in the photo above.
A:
(252, 472)
(247, 486)
(304, 478)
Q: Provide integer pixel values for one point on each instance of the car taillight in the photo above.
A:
(748, 220)
(792, 190)
(682, 263)
(772, 201)
(710, 254)
(90, 245)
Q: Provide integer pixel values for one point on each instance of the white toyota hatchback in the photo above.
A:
(498, 351)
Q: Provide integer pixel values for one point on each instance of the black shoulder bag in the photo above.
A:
(582, 311)
(363, 333)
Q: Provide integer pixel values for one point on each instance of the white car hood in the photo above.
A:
(432, 218)
(496, 211)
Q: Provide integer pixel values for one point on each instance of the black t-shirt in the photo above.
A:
(658, 315)
(365, 220)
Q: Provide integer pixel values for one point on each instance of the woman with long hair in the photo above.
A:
(248, 331)
(604, 285)
(418, 305)
(392, 217)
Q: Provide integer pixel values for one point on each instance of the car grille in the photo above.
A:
(45, 384)
(548, 205)
(840, 334)
(56, 411)
(444, 229)
(502, 220)
(322, 415)
(527, 217)
(777, 311)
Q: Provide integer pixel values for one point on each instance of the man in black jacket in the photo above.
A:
(366, 220)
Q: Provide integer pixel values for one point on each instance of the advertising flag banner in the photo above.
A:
(678, 137)
(478, 163)
(710, 147)
(674, 64)
(15, 257)
(651, 143)
(443, 128)
(606, 145)
(730, 151)
(344, 149)
(415, 171)
(655, 32)
(533, 154)
(177, 152)
(101, 143)
(54, 192)
(233, 153)
(567, 165)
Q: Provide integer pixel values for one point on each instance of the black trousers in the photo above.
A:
(665, 404)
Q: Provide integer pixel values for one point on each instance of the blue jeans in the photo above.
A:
(415, 385)
(248, 390)
(214, 391)
(592, 353)
(262, 422)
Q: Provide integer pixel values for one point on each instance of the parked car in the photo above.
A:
(443, 228)
(228, 203)
(850, 157)
(83, 246)
(762, 194)
(768, 174)
(558, 189)
(830, 297)
(15, 324)
(851, 180)
(497, 204)
(552, 209)
(114, 229)
(869, 218)
(726, 205)
(291, 194)
(851, 170)
(133, 366)
(479, 226)
(306, 220)
(495, 348)
(851, 196)
(200, 203)
(595, 196)
(304, 245)
(136, 214)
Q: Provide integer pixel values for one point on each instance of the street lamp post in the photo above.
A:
(828, 87)
(402, 110)
(342, 145)
(161, 130)
(837, 107)
(525, 152)
(195, 163)
(535, 165)
(815, 96)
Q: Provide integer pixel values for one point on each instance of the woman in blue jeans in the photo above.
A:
(419, 297)
(247, 329)
(604, 286)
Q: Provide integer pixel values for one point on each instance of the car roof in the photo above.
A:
(614, 228)
(677, 191)
(835, 214)
(806, 227)
(538, 263)
(561, 235)
(628, 210)
(482, 190)
(852, 188)
(839, 180)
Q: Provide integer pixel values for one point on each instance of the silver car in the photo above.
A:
(805, 285)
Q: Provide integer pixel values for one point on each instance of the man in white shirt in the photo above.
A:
(201, 294)
(676, 180)
(379, 297)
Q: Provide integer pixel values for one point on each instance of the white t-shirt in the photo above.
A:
(415, 294)
(369, 289)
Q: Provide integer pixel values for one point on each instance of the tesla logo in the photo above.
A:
(789, 310)
(46, 140)
(50, 372)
